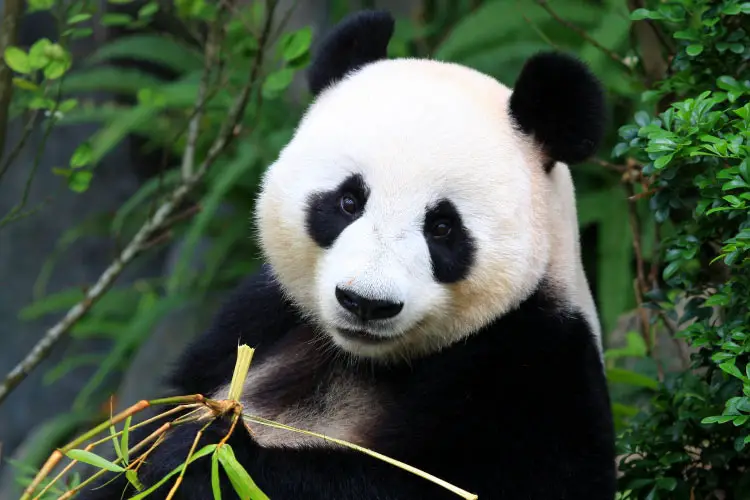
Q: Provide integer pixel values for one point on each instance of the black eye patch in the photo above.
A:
(330, 212)
(452, 248)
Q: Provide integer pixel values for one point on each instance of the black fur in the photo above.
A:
(452, 257)
(359, 39)
(325, 220)
(518, 411)
(561, 103)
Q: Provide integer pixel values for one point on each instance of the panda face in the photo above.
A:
(407, 212)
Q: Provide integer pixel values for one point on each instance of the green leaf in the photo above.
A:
(69, 363)
(24, 84)
(297, 44)
(666, 483)
(694, 49)
(620, 149)
(159, 49)
(79, 180)
(215, 485)
(238, 476)
(56, 69)
(81, 156)
(718, 299)
(109, 136)
(663, 161)
(116, 442)
(39, 5)
(90, 458)
(116, 19)
(730, 368)
(39, 53)
(124, 441)
(110, 79)
(639, 14)
(148, 10)
(731, 9)
(671, 270)
(726, 82)
(635, 347)
(132, 476)
(17, 60)
(79, 18)
(719, 419)
(623, 376)
(209, 448)
(150, 188)
(277, 81)
(67, 105)
(642, 118)
(229, 175)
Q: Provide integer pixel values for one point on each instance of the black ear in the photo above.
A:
(560, 103)
(358, 39)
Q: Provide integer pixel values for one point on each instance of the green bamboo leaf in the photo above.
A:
(209, 448)
(615, 250)
(132, 476)
(161, 50)
(228, 176)
(79, 18)
(110, 79)
(215, 486)
(150, 188)
(116, 442)
(238, 476)
(90, 458)
(124, 441)
(108, 137)
(140, 326)
(622, 376)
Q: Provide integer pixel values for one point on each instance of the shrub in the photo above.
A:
(692, 443)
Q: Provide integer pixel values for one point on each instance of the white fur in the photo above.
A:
(418, 131)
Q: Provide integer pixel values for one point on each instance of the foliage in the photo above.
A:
(695, 157)
(675, 202)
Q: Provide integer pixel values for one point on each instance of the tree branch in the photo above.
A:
(212, 42)
(8, 36)
(141, 238)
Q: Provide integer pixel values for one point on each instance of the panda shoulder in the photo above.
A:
(255, 313)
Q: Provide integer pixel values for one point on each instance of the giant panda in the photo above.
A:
(421, 295)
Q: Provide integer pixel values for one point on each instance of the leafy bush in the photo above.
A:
(692, 443)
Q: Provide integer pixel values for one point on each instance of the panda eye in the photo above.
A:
(349, 204)
(441, 229)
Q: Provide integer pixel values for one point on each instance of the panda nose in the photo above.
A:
(367, 309)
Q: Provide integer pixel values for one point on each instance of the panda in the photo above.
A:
(421, 295)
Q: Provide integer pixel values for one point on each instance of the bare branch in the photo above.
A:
(17, 209)
(27, 130)
(188, 158)
(152, 224)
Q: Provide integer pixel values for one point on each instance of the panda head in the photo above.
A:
(412, 206)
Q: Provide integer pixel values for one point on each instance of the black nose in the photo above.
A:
(367, 309)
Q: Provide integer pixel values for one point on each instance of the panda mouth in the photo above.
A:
(362, 336)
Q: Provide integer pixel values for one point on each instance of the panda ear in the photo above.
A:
(560, 103)
(359, 39)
